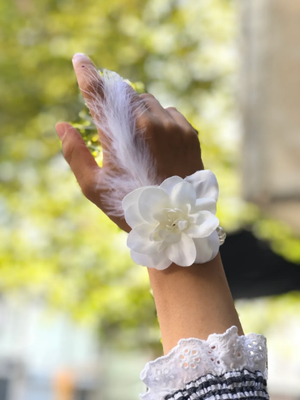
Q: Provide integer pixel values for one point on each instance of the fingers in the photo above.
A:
(88, 78)
(154, 115)
(180, 119)
(78, 156)
(155, 109)
(153, 106)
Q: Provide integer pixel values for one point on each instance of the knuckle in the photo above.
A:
(171, 109)
(192, 137)
(148, 99)
(147, 96)
(190, 131)
(142, 121)
(171, 126)
(147, 121)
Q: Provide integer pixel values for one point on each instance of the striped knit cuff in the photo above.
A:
(231, 385)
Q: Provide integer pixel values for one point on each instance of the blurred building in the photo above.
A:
(270, 96)
(45, 357)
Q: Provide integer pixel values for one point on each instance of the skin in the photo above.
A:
(190, 302)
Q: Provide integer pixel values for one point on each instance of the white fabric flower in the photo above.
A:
(174, 222)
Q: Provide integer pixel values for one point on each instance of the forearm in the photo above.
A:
(192, 302)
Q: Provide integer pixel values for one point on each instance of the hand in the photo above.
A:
(172, 141)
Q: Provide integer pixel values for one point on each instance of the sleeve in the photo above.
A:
(225, 366)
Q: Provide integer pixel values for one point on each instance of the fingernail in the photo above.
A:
(77, 56)
(61, 130)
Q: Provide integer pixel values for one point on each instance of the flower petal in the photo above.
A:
(207, 248)
(133, 217)
(131, 198)
(138, 258)
(183, 193)
(208, 204)
(159, 261)
(138, 240)
(151, 201)
(205, 184)
(170, 237)
(169, 183)
(205, 224)
(182, 253)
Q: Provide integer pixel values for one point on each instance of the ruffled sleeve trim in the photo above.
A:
(194, 358)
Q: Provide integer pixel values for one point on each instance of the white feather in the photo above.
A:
(115, 107)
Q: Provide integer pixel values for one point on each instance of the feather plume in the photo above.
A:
(115, 108)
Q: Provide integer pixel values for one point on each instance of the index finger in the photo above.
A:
(100, 94)
(90, 85)
(88, 77)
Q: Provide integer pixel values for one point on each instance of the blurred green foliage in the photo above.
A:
(54, 243)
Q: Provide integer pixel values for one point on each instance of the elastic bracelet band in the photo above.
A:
(174, 222)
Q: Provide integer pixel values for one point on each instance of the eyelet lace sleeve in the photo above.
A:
(225, 366)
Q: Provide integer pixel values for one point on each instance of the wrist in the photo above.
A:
(192, 302)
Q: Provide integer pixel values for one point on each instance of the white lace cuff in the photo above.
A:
(195, 368)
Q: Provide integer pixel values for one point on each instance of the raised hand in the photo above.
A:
(172, 142)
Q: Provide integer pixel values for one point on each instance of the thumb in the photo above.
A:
(78, 156)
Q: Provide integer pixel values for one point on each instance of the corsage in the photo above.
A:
(174, 222)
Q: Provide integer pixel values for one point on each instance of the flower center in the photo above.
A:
(175, 223)
(171, 222)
